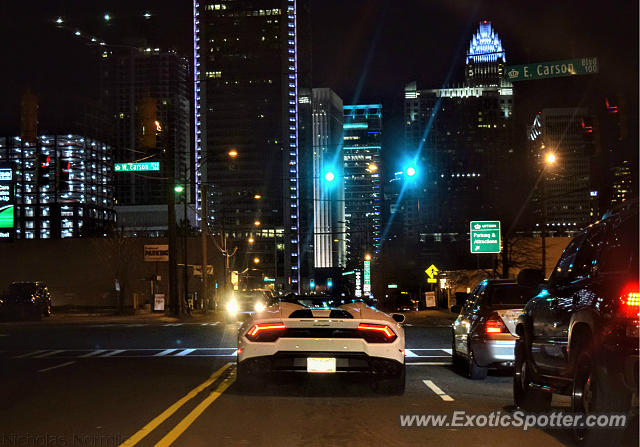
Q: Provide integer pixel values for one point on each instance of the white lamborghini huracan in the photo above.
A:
(322, 335)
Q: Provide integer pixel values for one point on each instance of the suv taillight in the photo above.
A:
(630, 302)
(495, 325)
(376, 333)
(265, 332)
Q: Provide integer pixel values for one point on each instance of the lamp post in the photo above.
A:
(549, 160)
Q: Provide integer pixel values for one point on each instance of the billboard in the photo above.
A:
(7, 204)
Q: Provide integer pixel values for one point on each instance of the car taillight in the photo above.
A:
(376, 333)
(630, 301)
(495, 325)
(265, 332)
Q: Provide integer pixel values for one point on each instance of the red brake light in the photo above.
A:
(377, 333)
(495, 325)
(265, 331)
(630, 301)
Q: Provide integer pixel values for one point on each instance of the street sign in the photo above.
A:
(430, 299)
(485, 236)
(156, 253)
(137, 167)
(366, 285)
(432, 280)
(392, 286)
(7, 204)
(554, 69)
(358, 283)
(432, 271)
(197, 270)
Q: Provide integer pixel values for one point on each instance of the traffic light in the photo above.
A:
(64, 168)
(42, 169)
(149, 126)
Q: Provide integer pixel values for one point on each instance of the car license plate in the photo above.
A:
(321, 365)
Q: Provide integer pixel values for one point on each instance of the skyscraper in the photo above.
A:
(363, 196)
(139, 84)
(253, 122)
(462, 139)
(567, 196)
(329, 238)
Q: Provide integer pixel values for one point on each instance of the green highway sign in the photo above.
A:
(485, 236)
(137, 167)
(554, 69)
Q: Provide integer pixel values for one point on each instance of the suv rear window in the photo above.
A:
(620, 251)
(512, 294)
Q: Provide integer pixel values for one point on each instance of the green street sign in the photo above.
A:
(137, 167)
(485, 236)
(554, 69)
(366, 285)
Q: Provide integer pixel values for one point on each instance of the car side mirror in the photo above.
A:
(456, 308)
(398, 318)
(530, 277)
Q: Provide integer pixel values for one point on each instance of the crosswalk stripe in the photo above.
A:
(29, 354)
(112, 353)
(409, 353)
(92, 353)
(48, 354)
(165, 352)
(185, 352)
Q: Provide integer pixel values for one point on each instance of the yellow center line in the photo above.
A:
(196, 412)
(166, 414)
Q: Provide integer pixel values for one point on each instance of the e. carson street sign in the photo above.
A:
(485, 236)
(555, 69)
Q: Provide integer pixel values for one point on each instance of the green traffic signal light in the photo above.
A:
(178, 188)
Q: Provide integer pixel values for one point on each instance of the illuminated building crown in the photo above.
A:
(485, 45)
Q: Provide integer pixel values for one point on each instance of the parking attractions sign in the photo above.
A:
(485, 236)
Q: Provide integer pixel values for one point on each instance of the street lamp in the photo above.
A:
(232, 153)
(257, 197)
(251, 240)
(411, 171)
(257, 223)
(367, 257)
(256, 260)
(329, 176)
(550, 158)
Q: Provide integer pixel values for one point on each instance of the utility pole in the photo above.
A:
(204, 235)
(171, 224)
(544, 228)
(185, 278)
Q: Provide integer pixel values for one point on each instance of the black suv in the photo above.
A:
(579, 335)
(26, 300)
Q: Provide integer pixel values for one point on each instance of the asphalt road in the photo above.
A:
(101, 384)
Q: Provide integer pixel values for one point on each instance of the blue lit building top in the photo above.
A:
(485, 45)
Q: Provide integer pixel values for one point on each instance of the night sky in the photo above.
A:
(366, 50)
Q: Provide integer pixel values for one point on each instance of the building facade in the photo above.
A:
(363, 195)
(329, 238)
(146, 92)
(63, 186)
(253, 127)
(568, 200)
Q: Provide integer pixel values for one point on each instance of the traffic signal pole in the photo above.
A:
(203, 233)
(174, 299)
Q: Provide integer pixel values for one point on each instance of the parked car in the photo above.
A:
(30, 300)
(579, 335)
(484, 333)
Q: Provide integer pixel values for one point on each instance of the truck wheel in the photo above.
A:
(594, 391)
(525, 397)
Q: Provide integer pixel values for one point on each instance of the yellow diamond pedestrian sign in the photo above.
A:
(485, 236)
(432, 271)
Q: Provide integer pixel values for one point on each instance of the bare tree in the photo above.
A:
(117, 253)
(519, 252)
